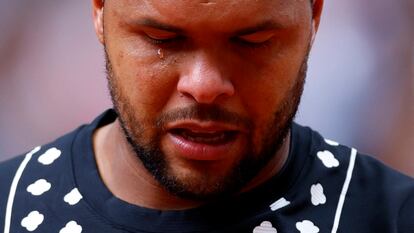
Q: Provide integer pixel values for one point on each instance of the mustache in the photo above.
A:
(204, 112)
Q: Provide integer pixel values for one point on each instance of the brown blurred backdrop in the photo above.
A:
(359, 91)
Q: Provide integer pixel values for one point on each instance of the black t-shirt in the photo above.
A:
(323, 187)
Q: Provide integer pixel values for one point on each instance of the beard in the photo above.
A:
(202, 185)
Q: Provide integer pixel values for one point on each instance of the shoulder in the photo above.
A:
(366, 169)
(8, 171)
(44, 155)
(33, 169)
(371, 172)
(384, 191)
(376, 194)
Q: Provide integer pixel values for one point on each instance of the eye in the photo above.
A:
(160, 40)
(156, 36)
(256, 39)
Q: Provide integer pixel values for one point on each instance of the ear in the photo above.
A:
(98, 10)
(317, 6)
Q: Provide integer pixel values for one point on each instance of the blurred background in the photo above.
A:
(359, 91)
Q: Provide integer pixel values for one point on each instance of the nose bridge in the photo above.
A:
(205, 70)
(204, 78)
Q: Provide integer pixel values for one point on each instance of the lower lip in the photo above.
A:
(200, 151)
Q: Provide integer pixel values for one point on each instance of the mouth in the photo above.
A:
(204, 141)
(205, 137)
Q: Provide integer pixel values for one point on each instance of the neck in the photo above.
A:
(126, 177)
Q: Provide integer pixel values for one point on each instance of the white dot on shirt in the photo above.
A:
(307, 226)
(332, 143)
(265, 227)
(32, 221)
(317, 195)
(71, 227)
(73, 197)
(282, 202)
(328, 159)
(49, 156)
(39, 187)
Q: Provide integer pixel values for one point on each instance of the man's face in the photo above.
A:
(206, 90)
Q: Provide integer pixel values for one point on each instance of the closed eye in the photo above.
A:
(157, 36)
(257, 37)
(154, 40)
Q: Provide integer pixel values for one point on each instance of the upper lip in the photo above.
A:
(203, 126)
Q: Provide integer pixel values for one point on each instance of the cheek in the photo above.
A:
(268, 76)
(144, 79)
(265, 90)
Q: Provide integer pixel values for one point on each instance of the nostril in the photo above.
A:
(204, 95)
(205, 90)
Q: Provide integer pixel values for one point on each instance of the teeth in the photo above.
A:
(203, 137)
(208, 138)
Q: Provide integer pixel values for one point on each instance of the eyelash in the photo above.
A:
(251, 45)
(161, 41)
(170, 42)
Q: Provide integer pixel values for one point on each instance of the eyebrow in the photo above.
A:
(263, 26)
(147, 22)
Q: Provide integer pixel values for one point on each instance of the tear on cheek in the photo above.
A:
(160, 53)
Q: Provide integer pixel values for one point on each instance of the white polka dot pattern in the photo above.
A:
(307, 226)
(73, 197)
(265, 227)
(39, 187)
(282, 202)
(49, 156)
(317, 195)
(328, 159)
(32, 221)
(71, 227)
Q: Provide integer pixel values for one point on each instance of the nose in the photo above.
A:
(204, 81)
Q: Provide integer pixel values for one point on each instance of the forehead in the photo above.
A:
(213, 12)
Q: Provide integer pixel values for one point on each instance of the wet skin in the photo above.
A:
(172, 64)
